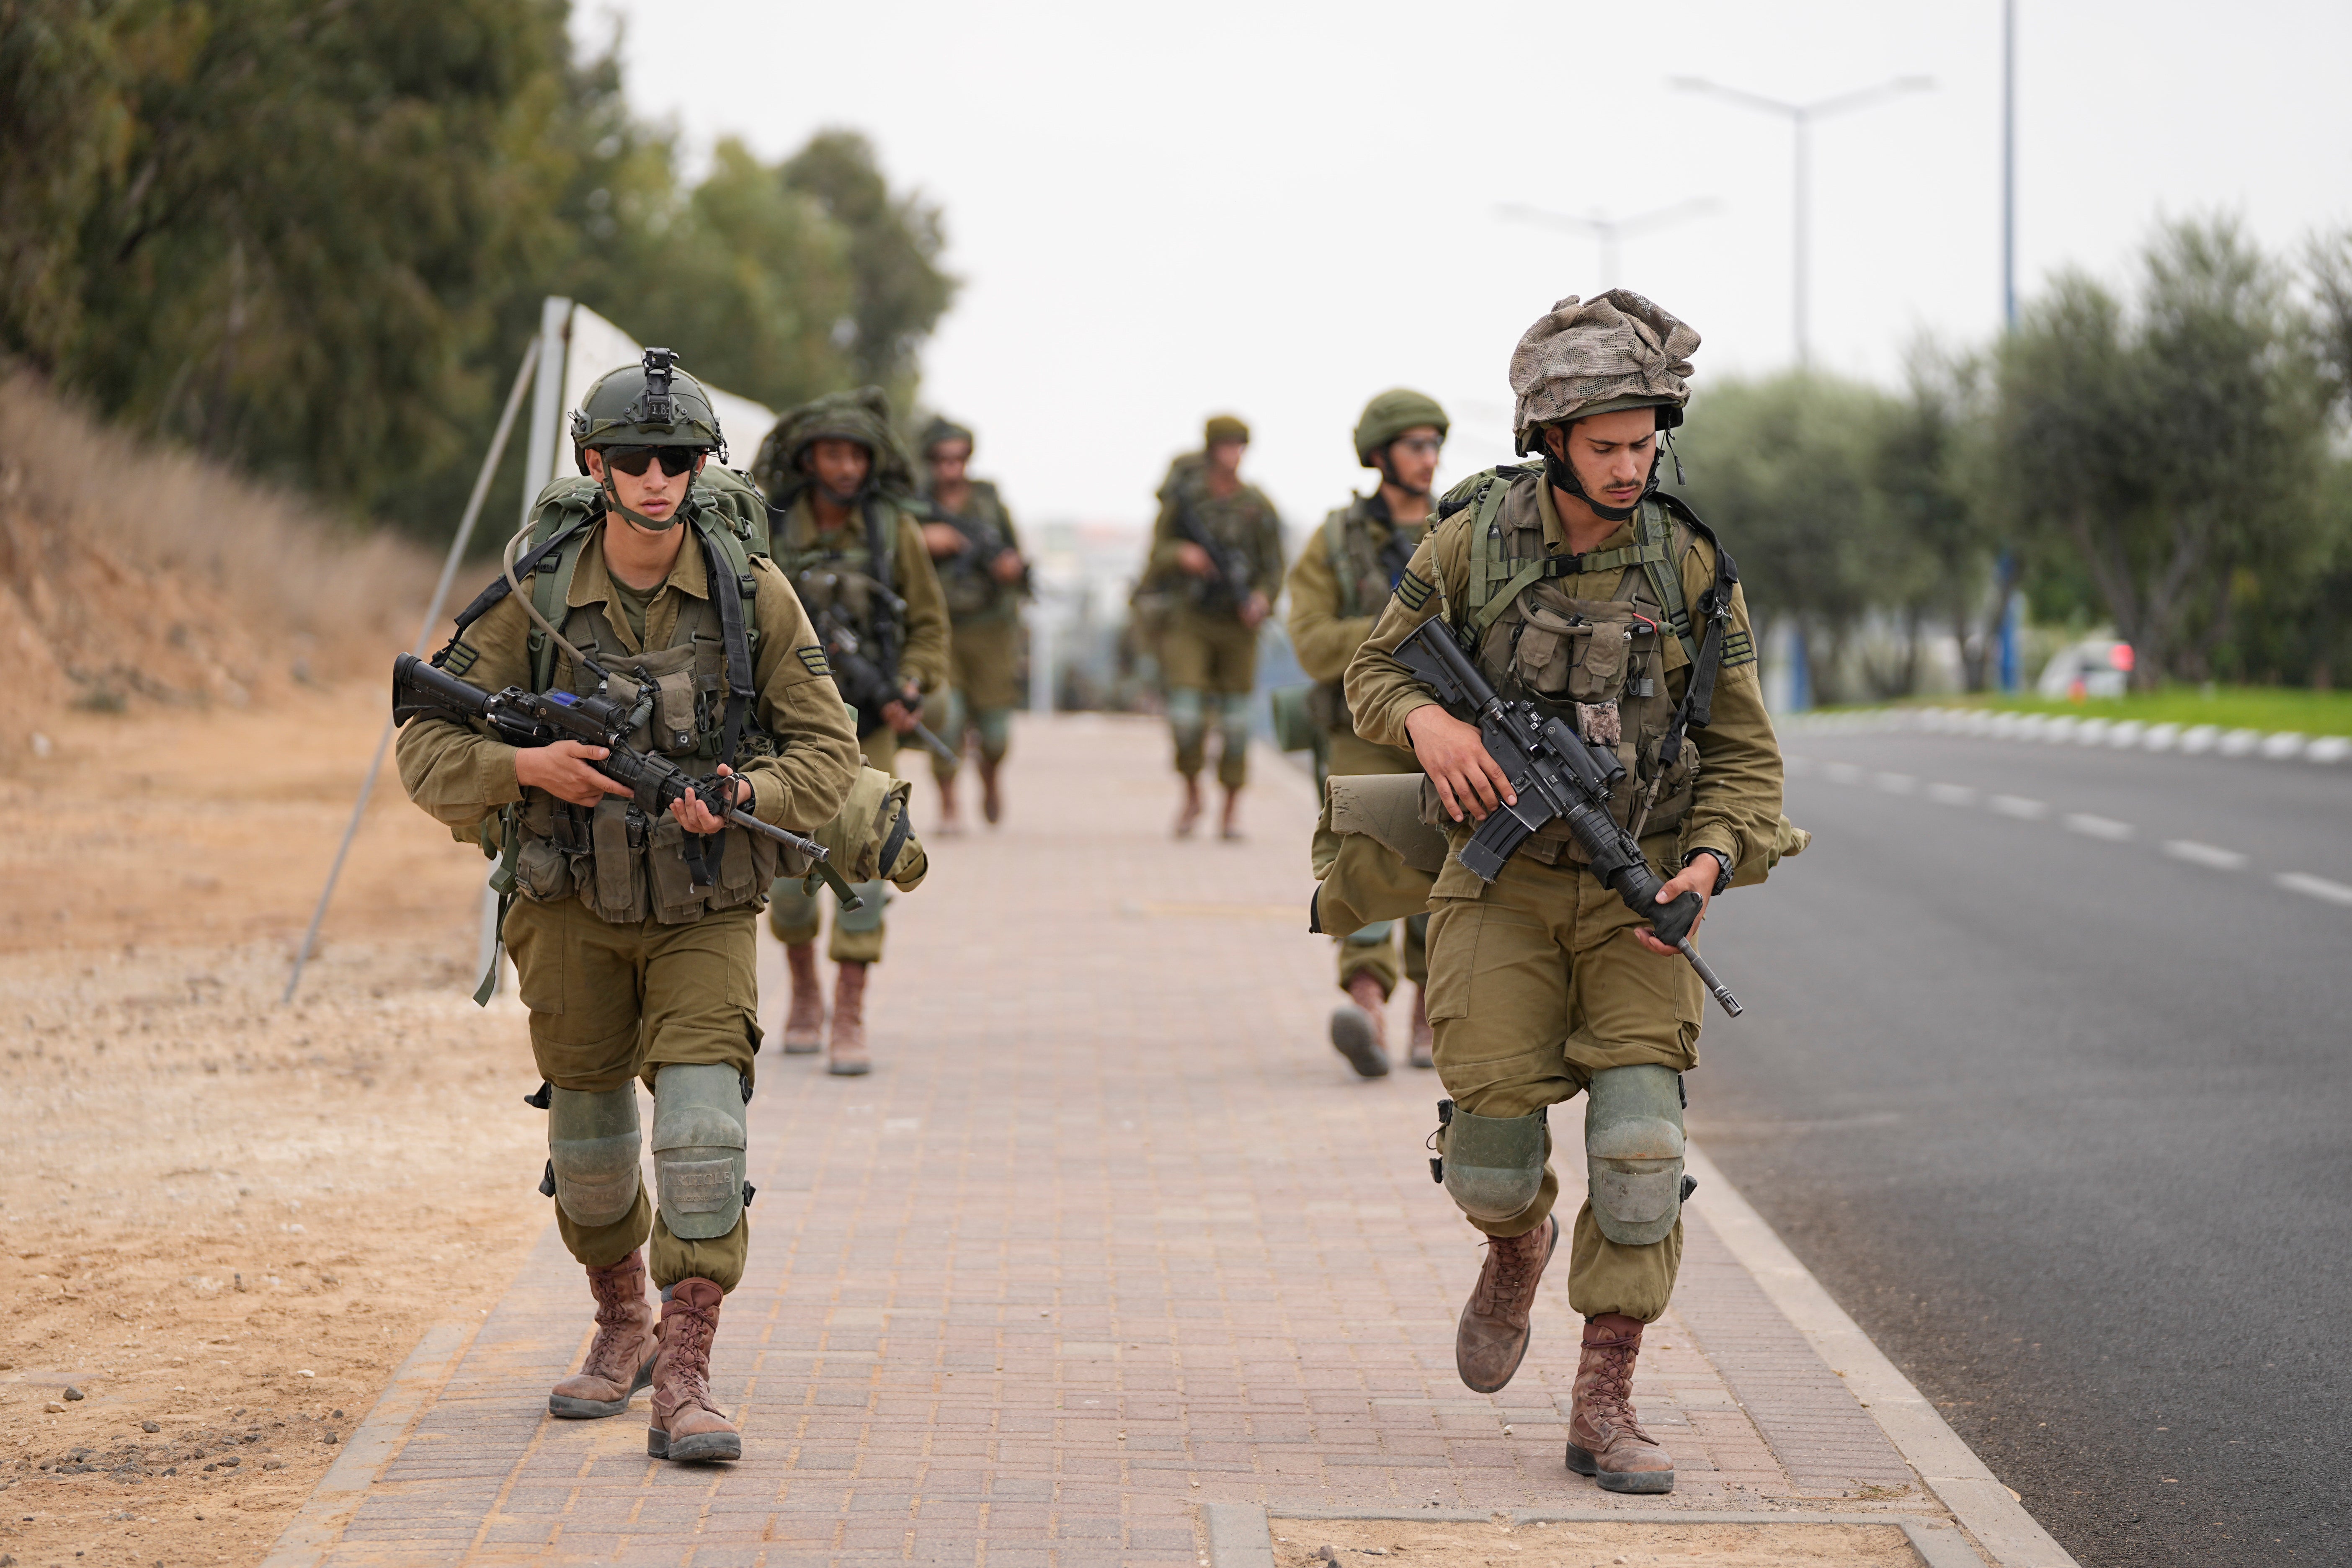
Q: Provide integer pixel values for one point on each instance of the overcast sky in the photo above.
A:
(1159, 212)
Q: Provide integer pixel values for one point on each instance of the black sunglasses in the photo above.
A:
(635, 460)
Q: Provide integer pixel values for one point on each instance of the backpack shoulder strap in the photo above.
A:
(1714, 607)
(733, 590)
(1493, 583)
(551, 591)
(1335, 547)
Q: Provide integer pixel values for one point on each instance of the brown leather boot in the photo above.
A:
(1188, 815)
(621, 1357)
(846, 1057)
(992, 797)
(687, 1426)
(1491, 1337)
(1605, 1439)
(1359, 1029)
(1425, 1043)
(805, 1023)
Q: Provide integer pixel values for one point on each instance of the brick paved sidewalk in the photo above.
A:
(1110, 1232)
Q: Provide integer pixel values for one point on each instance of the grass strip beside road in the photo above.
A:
(2265, 708)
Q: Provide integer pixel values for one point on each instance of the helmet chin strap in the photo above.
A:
(651, 525)
(1388, 477)
(1562, 476)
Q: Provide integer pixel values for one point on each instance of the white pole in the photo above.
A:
(423, 638)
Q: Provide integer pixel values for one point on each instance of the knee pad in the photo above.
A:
(868, 917)
(1634, 1152)
(699, 1143)
(1234, 719)
(995, 726)
(592, 1151)
(1187, 715)
(1493, 1165)
(1373, 935)
(792, 912)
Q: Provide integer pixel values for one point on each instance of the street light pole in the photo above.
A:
(1610, 232)
(1801, 117)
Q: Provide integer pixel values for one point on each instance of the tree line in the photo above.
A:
(309, 238)
(2170, 459)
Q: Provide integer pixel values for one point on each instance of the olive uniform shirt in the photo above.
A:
(1736, 809)
(1244, 520)
(923, 631)
(461, 777)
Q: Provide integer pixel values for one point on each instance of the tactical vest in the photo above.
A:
(1365, 574)
(1232, 520)
(1605, 665)
(848, 572)
(971, 590)
(695, 702)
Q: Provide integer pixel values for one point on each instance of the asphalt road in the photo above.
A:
(2049, 1079)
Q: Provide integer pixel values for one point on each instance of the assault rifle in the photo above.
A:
(522, 718)
(1557, 776)
(864, 685)
(1234, 583)
(984, 547)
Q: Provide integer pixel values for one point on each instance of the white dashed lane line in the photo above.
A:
(2213, 856)
(2206, 854)
(2315, 888)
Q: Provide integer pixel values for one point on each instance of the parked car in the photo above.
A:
(2098, 667)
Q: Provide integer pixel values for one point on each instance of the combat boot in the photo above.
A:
(1229, 826)
(686, 1425)
(621, 1357)
(1425, 1043)
(950, 824)
(1359, 1029)
(805, 1023)
(1492, 1338)
(992, 797)
(1188, 815)
(847, 1057)
(1605, 1440)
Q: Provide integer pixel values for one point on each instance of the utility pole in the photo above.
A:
(1611, 232)
(2012, 601)
(1801, 117)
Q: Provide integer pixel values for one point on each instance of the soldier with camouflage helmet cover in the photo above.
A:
(633, 968)
(1216, 550)
(849, 536)
(1577, 585)
(977, 554)
(1336, 590)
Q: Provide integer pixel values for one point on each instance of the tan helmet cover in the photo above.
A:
(1223, 427)
(1616, 349)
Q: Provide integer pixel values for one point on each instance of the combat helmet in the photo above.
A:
(1614, 352)
(863, 417)
(1389, 414)
(942, 430)
(650, 404)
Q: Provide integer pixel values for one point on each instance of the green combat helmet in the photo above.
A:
(863, 417)
(650, 404)
(1614, 352)
(942, 430)
(1390, 416)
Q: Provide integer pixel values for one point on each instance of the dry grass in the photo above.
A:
(131, 575)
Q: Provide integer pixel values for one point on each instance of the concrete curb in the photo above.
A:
(1241, 1536)
(2060, 729)
(414, 1386)
(2009, 1536)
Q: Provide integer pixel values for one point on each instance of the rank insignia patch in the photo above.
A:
(1738, 648)
(813, 659)
(1413, 593)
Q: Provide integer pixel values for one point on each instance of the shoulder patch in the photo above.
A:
(1412, 592)
(1738, 648)
(812, 657)
(461, 658)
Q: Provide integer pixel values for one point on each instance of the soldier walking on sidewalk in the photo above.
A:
(984, 578)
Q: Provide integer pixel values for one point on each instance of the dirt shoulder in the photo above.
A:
(226, 1220)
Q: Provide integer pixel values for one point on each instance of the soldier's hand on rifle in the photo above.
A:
(942, 540)
(697, 817)
(1194, 558)
(1254, 611)
(1008, 566)
(1699, 876)
(905, 715)
(1457, 762)
(563, 769)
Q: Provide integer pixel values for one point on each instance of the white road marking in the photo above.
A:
(2106, 827)
(1894, 783)
(2204, 855)
(1951, 794)
(1840, 773)
(2319, 887)
(2018, 806)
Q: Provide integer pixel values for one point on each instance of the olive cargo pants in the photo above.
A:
(1209, 663)
(983, 658)
(609, 1002)
(796, 917)
(1374, 949)
(1536, 985)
